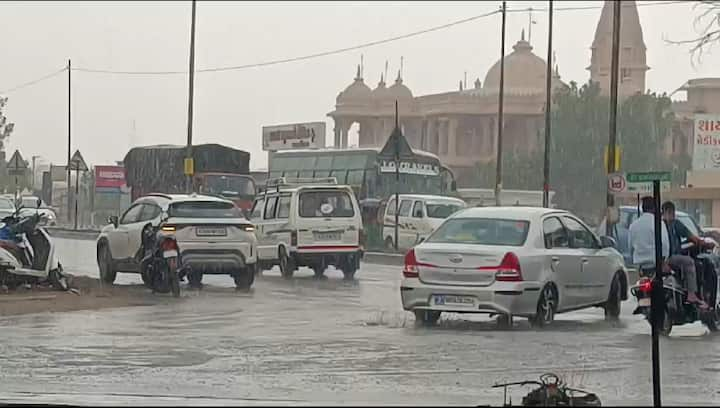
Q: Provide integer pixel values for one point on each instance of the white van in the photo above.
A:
(419, 215)
(308, 222)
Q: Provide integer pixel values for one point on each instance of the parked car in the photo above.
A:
(627, 215)
(418, 216)
(313, 222)
(212, 236)
(513, 261)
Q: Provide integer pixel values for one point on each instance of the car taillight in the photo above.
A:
(645, 285)
(293, 238)
(509, 269)
(169, 245)
(411, 265)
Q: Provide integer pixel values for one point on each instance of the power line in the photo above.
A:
(301, 58)
(33, 82)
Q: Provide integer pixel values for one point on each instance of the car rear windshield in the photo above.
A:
(444, 210)
(481, 231)
(204, 209)
(326, 203)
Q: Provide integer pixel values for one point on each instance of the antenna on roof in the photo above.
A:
(386, 68)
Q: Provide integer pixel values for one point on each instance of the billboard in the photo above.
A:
(109, 177)
(293, 136)
(706, 142)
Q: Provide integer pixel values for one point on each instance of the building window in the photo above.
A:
(625, 74)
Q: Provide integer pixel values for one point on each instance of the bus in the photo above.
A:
(369, 176)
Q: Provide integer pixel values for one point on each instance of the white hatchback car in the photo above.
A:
(212, 235)
(513, 261)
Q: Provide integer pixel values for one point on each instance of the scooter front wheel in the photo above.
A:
(57, 279)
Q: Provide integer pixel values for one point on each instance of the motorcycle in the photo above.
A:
(677, 311)
(160, 267)
(551, 392)
(27, 252)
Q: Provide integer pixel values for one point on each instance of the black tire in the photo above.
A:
(350, 267)
(614, 301)
(287, 264)
(427, 317)
(546, 307)
(57, 279)
(174, 282)
(105, 265)
(195, 279)
(319, 271)
(244, 278)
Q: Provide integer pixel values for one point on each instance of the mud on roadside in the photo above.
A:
(90, 294)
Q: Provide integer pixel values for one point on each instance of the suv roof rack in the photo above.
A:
(299, 181)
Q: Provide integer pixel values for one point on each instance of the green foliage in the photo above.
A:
(580, 129)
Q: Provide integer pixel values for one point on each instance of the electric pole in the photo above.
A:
(498, 161)
(69, 139)
(548, 109)
(614, 68)
(189, 163)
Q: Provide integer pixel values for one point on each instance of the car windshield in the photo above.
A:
(326, 204)
(481, 231)
(204, 209)
(230, 186)
(441, 210)
(6, 204)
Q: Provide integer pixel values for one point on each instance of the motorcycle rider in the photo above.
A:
(677, 231)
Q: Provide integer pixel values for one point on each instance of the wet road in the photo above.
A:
(327, 342)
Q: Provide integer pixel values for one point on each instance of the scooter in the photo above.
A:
(677, 311)
(160, 267)
(32, 257)
(551, 391)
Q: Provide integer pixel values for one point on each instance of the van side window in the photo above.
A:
(257, 208)
(418, 209)
(284, 207)
(405, 208)
(391, 207)
(270, 208)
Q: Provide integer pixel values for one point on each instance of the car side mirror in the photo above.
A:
(113, 219)
(39, 203)
(608, 242)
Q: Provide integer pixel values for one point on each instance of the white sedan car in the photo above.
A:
(212, 235)
(513, 261)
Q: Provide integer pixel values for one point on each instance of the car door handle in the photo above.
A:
(555, 259)
(584, 260)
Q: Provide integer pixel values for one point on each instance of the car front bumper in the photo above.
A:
(217, 257)
(515, 298)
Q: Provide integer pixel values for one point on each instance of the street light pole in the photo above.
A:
(69, 139)
(498, 160)
(614, 68)
(548, 108)
(189, 155)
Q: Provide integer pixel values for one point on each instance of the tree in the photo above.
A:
(707, 25)
(5, 128)
(580, 127)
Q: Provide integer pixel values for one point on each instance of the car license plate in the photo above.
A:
(170, 254)
(328, 236)
(453, 300)
(644, 302)
(210, 231)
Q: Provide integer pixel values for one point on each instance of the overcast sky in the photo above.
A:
(231, 107)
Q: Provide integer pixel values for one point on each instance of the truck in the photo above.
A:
(218, 170)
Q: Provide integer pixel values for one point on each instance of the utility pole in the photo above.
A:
(614, 68)
(548, 109)
(498, 161)
(189, 163)
(69, 139)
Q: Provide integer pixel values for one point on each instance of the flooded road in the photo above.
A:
(327, 342)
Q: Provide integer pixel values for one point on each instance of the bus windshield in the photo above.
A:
(230, 186)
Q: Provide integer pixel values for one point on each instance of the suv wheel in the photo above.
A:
(105, 264)
(546, 307)
(244, 278)
(287, 264)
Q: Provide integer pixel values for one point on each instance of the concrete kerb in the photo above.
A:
(91, 235)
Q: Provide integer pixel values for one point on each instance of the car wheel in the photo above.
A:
(244, 278)
(319, 271)
(427, 317)
(546, 307)
(349, 267)
(195, 279)
(287, 265)
(614, 300)
(105, 265)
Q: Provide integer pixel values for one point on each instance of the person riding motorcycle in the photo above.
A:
(677, 231)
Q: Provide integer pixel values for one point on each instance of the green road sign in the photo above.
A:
(638, 183)
(649, 177)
